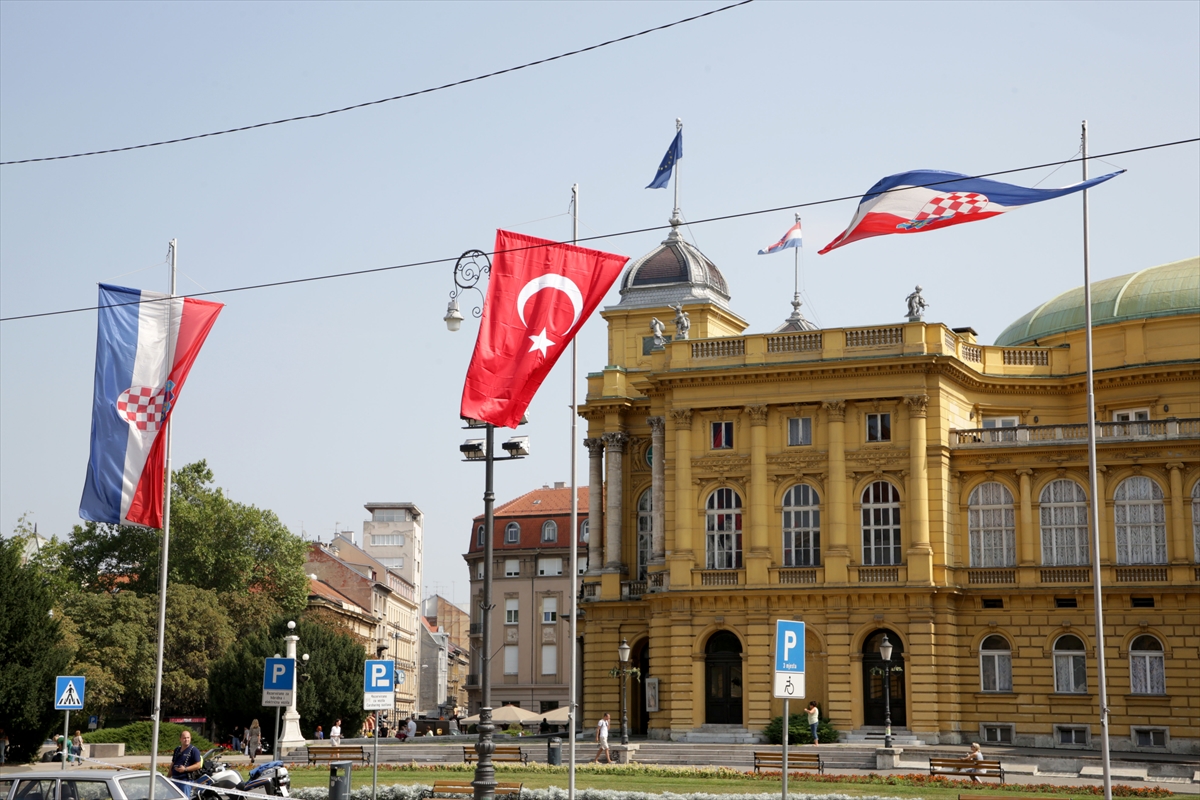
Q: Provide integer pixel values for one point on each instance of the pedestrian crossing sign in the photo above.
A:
(68, 692)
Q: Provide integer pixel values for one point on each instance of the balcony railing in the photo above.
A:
(1027, 435)
(985, 576)
(659, 581)
(591, 591)
(632, 590)
(476, 629)
(791, 576)
(717, 577)
(1141, 574)
(890, 574)
(1066, 574)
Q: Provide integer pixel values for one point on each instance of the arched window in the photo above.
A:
(1146, 673)
(801, 527)
(645, 526)
(991, 522)
(583, 531)
(1141, 522)
(1196, 521)
(1064, 523)
(512, 533)
(881, 524)
(723, 542)
(1070, 665)
(549, 531)
(479, 536)
(995, 665)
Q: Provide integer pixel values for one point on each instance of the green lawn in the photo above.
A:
(680, 781)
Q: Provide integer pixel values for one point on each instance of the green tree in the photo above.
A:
(32, 652)
(333, 689)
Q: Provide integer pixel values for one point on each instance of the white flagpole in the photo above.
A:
(1093, 482)
(156, 709)
(678, 128)
(572, 689)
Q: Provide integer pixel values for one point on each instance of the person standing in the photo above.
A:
(602, 740)
(410, 729)
(184, 762)
(246, 741)
(975, 755)
(335, 733)
(814, 717)
(77, 747)
(253, 740)
(3, 747)
(320, 733)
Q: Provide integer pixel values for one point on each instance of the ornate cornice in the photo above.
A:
(724, 465)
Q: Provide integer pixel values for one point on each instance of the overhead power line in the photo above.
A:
(369, 103)
(631, 232)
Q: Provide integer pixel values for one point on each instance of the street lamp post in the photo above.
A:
(468, 270)
(885, 651)
(623, 654)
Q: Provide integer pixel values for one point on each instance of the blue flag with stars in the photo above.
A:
(674, 153)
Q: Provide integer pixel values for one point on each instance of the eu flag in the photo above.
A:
(674, 153)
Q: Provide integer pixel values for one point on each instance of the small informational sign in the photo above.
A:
(68, 692)
(789, 659)
(379, 685)
(93, 722)
(279, 682)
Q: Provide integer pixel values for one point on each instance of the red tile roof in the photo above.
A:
(543, 502)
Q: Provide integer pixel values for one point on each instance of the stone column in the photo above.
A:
(837, 554)
(1179, 544)
(682, 557)
(595, 448)
(758, 560)
(1027, 532)
(614, 444)
(920, 553)
(658, 489)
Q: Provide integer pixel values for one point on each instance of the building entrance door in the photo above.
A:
(723, 680)
(873, 705)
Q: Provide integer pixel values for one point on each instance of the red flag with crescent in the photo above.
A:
(540, 294)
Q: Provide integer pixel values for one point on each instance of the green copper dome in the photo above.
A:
(1165, 291)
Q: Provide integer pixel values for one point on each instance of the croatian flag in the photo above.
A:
(927, 199)
(145, 346)
(790, 239)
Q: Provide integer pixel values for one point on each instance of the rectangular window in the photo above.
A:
(478, 570)
(512, 533)
(1141, 602)
(550, 566)
(512, 611)
(479, 536)
(1131, 415)
(993, 602)
(511, 659)
(879, 427)
(512, 567)
(997, 734)
(1066, 602)
(549, 659)
(799, 431)
(722, 436)
(1150, 737)
(1002, 429)
(547, 706)
(549, 610)
(1071, 735)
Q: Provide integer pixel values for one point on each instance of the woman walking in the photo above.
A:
(253, 740)
(77, 747)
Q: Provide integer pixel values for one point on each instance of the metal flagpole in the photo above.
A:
(678, 128)
(572, 689)
(797, 262)
(1093, 482)
(156, 709)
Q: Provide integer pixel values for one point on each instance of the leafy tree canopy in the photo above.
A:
(332, 690)
(32, 651)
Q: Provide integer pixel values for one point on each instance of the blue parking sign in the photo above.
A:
(789, 659)
(279, 682)
(379, 685)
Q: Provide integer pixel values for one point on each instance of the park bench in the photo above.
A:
(503, 752)
(317, 755)
(966, 766)
(773, 759)
(455, 788)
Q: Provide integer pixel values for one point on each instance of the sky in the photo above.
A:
(316, 398)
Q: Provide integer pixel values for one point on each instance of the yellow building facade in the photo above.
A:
(899, 479)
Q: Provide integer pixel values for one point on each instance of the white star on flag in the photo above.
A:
(540, 342)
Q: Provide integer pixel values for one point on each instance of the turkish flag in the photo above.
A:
(540, 294)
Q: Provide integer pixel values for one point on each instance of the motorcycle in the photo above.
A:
(270, 778)
(218, 775)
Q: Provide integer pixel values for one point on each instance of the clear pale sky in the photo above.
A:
(314, 399)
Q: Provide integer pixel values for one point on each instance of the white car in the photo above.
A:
(90, 784)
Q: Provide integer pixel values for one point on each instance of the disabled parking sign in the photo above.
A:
(789, 659)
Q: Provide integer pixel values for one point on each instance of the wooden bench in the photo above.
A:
(773, 759)
(503, 752)
(357, 752)
(455, 788)
(966, 766)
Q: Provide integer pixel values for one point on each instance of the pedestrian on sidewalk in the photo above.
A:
(602, 741)
(185, 761)
(975, 755)
(77, 747)
(253, 740)
(814, 716)
(335, 733)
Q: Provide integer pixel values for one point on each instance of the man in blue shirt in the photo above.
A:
(185, 763)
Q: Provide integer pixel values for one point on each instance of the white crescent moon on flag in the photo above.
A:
(551, 281)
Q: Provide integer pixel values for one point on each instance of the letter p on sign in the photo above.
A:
(278, 671)
(379, 675)
(789, 643)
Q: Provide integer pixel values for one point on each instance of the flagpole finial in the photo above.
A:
(679, 123)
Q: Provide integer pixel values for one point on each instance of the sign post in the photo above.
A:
(279, 688)
(68, 697)
(379, 693)
(789, 676)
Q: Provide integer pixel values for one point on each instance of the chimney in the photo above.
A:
(560, 484)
